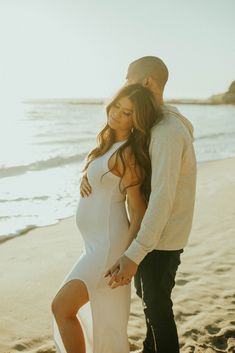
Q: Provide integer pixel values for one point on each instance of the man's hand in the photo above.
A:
(122, 272)
(85, 188)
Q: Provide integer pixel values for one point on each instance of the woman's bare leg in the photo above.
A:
(70, 298)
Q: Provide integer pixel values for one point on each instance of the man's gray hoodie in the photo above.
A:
(168, 219)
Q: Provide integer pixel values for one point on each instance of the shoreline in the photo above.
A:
(33, 266)
(29, 228)
(102, 101)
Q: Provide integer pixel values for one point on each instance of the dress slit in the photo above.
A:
(85, 318)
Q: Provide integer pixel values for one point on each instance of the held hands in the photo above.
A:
(85, 187)
(122, 272)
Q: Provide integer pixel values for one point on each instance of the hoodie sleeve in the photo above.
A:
(166, 150)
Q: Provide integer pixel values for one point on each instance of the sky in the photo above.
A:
(82, 48)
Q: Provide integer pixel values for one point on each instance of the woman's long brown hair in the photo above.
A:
(146, 115)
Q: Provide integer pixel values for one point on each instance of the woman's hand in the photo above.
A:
(85, 188)
(122, 272)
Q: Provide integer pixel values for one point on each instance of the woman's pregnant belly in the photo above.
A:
(99, 217)
(90, 214)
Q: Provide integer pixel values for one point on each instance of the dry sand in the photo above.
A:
(33, 265)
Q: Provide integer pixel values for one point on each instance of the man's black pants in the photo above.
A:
(154, 281)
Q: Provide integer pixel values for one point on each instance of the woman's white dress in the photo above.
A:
(103, 222)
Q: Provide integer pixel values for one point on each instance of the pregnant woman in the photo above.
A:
(88, 315)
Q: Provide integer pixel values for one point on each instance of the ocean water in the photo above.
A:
(42, 152)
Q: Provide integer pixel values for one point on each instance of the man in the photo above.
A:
(154, 255)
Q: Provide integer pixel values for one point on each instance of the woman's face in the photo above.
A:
(120, 115)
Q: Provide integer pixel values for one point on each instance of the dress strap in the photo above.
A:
(115, 147)
(108, 154)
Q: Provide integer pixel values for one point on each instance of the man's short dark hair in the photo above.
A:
(150, 66)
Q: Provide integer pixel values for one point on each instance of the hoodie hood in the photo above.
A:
(168, 109)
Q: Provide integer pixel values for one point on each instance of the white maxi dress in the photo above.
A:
(103, 223)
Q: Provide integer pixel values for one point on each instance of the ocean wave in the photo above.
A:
(69, 141)
(216, 135)
(33, 198)
(40, 165)
(18, 232)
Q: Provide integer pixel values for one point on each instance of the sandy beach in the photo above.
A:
(33, 265)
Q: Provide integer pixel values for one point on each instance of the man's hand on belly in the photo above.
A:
(122, 272)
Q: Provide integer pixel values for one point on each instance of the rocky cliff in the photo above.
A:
(224, 98)
(229, 96)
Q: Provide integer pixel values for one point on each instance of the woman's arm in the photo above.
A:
(136, 209)
(135, 199)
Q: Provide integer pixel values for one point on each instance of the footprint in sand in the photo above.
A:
(224, 340)
(34, 345)
(46, 348)
(212, 329)
(181, 282)
(180, 316)
(23, 344)
(189, 349)
(228, 296)
(193, 333)
(184, 274)
(231, 345)
(222, 270)
(219, 342)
